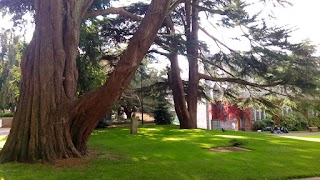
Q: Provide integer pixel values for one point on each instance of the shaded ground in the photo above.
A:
(228, 149)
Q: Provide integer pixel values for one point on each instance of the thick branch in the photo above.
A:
(215, 65)
(120, 11)
(238, 81)
(85, 7)
(158, 52)
(175, 4)
(94, 104)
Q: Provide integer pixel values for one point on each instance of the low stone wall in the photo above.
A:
(6, 122)
(313, 129)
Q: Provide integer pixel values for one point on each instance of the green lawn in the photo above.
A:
(166, 152)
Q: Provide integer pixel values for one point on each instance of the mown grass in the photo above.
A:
(166, 152)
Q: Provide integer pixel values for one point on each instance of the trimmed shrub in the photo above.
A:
(259, 125)
(268, 122)
(263, 124)
(8, 114)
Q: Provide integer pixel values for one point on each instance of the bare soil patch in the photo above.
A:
(71, 162)
(228, 149)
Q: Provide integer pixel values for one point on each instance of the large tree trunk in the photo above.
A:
(192, 51)
(178, 93)
(50, 123)
(176, 84)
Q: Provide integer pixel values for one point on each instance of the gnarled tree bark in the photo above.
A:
(50, 123)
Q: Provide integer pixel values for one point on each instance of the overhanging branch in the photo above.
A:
(238, 81)
(158, 52)
(124, 13)
(174, 5)
(120, 11)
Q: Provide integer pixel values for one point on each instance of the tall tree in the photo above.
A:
(267, 63)
(50, 122)
(10, 56)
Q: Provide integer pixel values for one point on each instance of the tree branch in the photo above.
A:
(158, 52)
(220, 67)
(213, 11)
(94, 104)
(175, 4)
(85, 6)
(216, 40)
(120, 11)
(238, 81)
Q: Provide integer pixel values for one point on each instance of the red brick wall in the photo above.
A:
(6, 122)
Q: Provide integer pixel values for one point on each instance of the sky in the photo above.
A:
(302, 15)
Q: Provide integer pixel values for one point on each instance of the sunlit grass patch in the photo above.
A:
(3, 141)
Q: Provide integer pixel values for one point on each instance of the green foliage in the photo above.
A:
(92, 69)
(314, 122)
(259, 125)
(7, 114)
(100, 4)
(11, 49)
(161, 114)
(310, 110)
(294, 121)
(154, 87)
(262, 124)
(238, 142)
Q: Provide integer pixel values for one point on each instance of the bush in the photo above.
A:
(314, 122)
(294, 122)
(237, 142)
(268, 122)
(263, 124)
(8, 114)
(259, 125)
(162, 115)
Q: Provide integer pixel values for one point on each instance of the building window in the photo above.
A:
(258, 113)
(286, 110)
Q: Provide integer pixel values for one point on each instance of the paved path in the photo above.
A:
(312, 178)
(299, 136)
(294, 133)
(299, 133)
(4, 132)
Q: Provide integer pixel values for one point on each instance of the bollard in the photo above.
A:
(134, 125)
